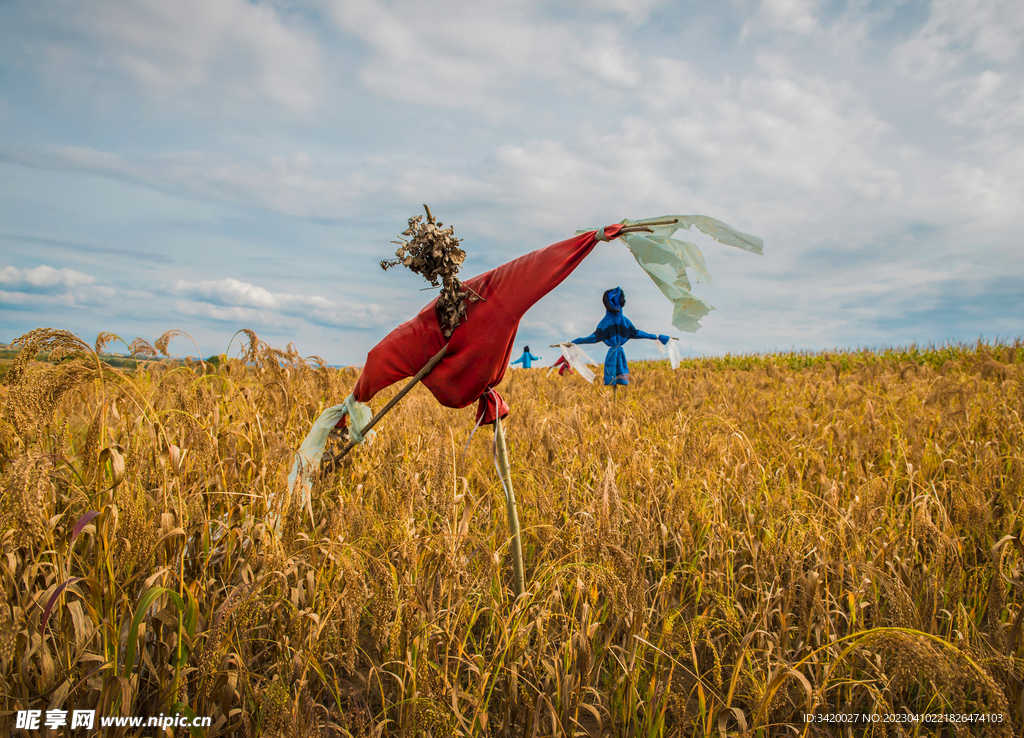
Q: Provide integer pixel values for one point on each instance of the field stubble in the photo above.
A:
(725, 548)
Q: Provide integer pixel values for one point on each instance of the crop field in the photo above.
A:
(719, 551)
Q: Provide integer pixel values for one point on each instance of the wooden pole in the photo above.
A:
(669, 221)
(646, 227)
(510, 502)
(394, 401)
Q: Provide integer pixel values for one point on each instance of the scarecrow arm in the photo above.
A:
(644, 334)
(592, 338)
(394, 401)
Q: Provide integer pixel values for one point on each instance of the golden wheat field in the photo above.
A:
(719, 551)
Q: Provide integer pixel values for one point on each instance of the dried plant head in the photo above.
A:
(349, 611)
(970, 509)
(869, 503)
(274, 708)
(8, 635)
(163, 342)
(992, 369)
(911, 659)
(254, 348)
(208, 658)
(58, 343)
(901, 610)
(138, 530)
(433, 718)
(177, 390)
(434, 253)
(943, 391)
(140, 347)
(610, 510)
(440, 479)
(201, 446)
(383, 605)
(104, 339)
(31, 403)
(28, 492)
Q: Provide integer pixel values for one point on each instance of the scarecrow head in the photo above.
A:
(614, 300)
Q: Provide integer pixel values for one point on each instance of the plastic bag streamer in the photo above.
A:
(307, 458)
(578, 359)
(666, 259)
(671, 350)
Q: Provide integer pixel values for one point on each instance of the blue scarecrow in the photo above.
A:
(527, 358)
(615, 329)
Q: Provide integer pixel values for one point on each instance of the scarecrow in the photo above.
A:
(527, 358)
(562, 366)
(460, 344)
(614, 330)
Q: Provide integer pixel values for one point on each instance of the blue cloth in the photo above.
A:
(526, 359)
(614, 330)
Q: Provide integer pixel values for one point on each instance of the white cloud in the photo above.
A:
(289, 185)
(782, 129)
(235, 301)
(777, 147)
(794, 16)
(992, 30)
(43, 278)
(206, 53)
(44, 286)
(634, 10)
(780, 145)
(487, 54)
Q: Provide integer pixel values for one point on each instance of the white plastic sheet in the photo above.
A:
(666, 259)
(307, 458)
(578, 359)
(359, 415)
(671, 351)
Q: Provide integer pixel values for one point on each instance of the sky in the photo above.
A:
(213, 165)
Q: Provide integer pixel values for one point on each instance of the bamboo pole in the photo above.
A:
(394, 401)
(510, 501)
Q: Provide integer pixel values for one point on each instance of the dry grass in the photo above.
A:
(725, 548)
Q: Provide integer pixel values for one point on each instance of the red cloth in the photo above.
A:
(564, 366)
(480, 347)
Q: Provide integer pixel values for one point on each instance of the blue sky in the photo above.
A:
(210, 165)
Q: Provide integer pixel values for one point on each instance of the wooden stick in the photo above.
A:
(510, 503)
(646, 227)
(670, 221)
(394, 401)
